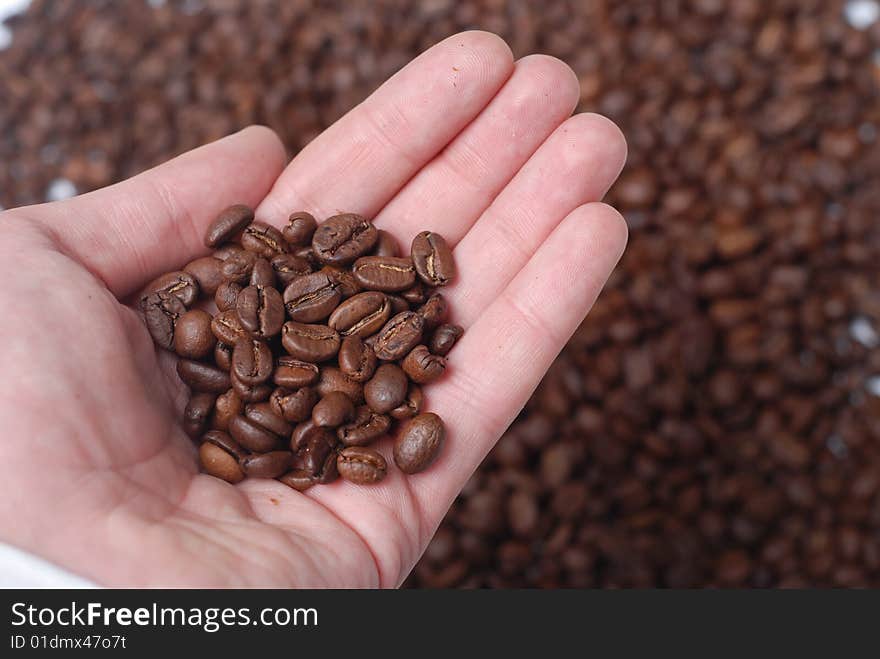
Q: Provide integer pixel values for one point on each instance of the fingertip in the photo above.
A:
(553, 77)
(602, 228)
(593, 147)
(487, 46)
(265, 141)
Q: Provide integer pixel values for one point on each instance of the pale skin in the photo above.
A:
(98, 474)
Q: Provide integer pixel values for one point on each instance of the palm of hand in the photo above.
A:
(102, 478)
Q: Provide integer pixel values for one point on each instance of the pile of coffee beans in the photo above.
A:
(713, 422)
(321, 339)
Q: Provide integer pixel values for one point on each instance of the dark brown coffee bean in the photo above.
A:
(252, 361)
(312, 451)
(356, 359)
(227, 406)
(332, 379)
(260, 311)
(386, 245)
(267, 465)
(226, 295)
(399, 335)
(301, 433)
(203, 377)
(295, 406)
(366, 427)
(288, 267)
(341, 239)
(415, 295)
(294, 373)
(161, 312)
(250, 393)
(411, 405)
(197, 412)
(219, 463)
(361, 315)
(227, 328)
(180, 284)
(262, 274)
(360, 465)
(328, 472)
(418, 444)
(308, 254)
(298, 479)
(386, 389)
(263, 240)
(193, 338)
(208, 272)
(223, 355)
(384, 273)
(252, 435)
(311, 298)
(300, 228)
(228, 224)
(398, 304)
(225, 441)
(238, 267)
(263, 414)
(310, 343)
(433, 312)
(444, 338)
(422, 367)
(226, 251)
(432, 259)
(343, 280)
(333, 410)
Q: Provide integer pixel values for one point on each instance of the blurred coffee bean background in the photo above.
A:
(714, 421)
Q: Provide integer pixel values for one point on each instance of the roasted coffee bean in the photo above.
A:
(225, 441)
(295, 406)
(263, 414)
(193, 338)
(398, 304)
(328, 472)
(384, 273)
(386, 244)
(360, 465)
(411, 405)
(341, 239)
(343, 280)
(311, 298)
(229, 223)
(202, 377)
(333, 410)
(252, 361)
(180, 284)
(294, 373)
(226, 251)
(197, 412)
(226, 295)
(332, 379)
(223, 355)
(252, 435)
(356, 359)
(250, 393)
(298, 479)
(432, 259)
(227, 327)
(422, 367)
(219, 463)
(418, 444)
(288, 267)
(366, 427)
(227, 406)
(308, 255)
(444, 338)
(263, 274)
(263, 240)
(301, 433)
(386, 389)
(361, 315)
(238, 267)
(300, 228)
(207, 271)
(267, 465)
(260, 311)
(399, 335)
(415, 295)
(310, 343)
(313, 450)
(433, 312)
(161, 312)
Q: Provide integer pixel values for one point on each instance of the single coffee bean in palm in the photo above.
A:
(341, 239)
(333, 410)
(294, 373)
(180, 284)
(264, 415)
(333, 379)
(228, 224)
(193, 337)
(260, 311)
(311, 298)
(226, 295)
(361, 465)
(384, 273)
(227, 327)
(263, 240)
(433, 311)
(310, 343)
(252, 361)
(361, 315)
(263, 274)
(208, 272)
(267, 465)
(293, 405)
(219, 463)
(238, 267)
(356, 359)
(366, 427)
(253, 436)
(161, 312)
(432, 259)
(399, 335)
(300, 228)
(419, 442)
(444, 338)
(386, 389)
(200, 376)
(422, 367)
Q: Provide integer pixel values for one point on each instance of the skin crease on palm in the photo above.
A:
(98, 474)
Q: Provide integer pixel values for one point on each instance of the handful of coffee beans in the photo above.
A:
(321, 340)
